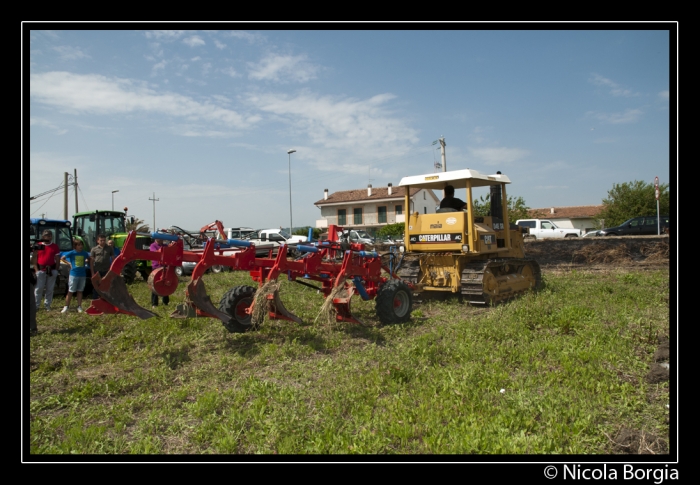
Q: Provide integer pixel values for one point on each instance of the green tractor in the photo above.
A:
(87, 225)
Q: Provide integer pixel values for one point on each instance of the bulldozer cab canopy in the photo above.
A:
(456, 178)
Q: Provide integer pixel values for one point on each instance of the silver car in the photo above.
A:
(187, 268)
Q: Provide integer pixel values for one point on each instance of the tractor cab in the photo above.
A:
(460, 231)
(60, 229)
(88, 225)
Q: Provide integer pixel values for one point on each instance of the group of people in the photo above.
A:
(44, 273)
(45, 262)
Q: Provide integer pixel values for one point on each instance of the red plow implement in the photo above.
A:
(359, 272)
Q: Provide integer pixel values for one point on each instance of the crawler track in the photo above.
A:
(497, 280)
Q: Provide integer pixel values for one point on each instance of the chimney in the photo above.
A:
(325, 194)
(389, 189)
(369, 190)
(551, 211)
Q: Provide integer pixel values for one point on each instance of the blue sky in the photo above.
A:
(203, 119)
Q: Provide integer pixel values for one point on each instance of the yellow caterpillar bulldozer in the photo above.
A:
(481, 258)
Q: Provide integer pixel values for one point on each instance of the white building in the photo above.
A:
(372, 208)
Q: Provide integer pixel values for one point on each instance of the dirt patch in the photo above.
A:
(658, 373)
(587, 253)
(662, 353)
(615, 251)
(635, 442)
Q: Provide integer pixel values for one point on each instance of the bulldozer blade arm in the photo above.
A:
(197, 294)
(117, 295)
(277, 309)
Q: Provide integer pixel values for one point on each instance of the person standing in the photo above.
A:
(157, 245)
(32, 301)
(46, 270)
(101, 258)
(78, 260)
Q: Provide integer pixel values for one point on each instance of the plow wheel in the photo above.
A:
(394, 302)
(235, 302)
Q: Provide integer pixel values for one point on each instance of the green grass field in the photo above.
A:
(557, 372)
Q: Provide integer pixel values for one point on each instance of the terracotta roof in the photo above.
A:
(569, 212)
(360, 195)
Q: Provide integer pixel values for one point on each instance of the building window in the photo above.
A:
(399, 210)
(341, 217)
(423, 195)
(357, 215)
(382, 214)
(425, 210)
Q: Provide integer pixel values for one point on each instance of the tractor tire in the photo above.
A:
(179, 271)
(234, 302)
(394, 302)
(216, 269)
(129, 272)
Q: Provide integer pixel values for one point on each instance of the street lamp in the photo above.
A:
(289, 152)
(113, 198)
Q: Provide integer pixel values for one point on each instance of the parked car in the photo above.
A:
(546, 229)
(271, 239)
(187, 268)
(638, 226)
(358, 236)
(593, 234)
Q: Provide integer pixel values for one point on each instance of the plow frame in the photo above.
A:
(359, 272)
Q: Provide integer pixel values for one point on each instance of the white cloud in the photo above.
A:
(342, 128)
(498, 155)
(628, 116)
(664, 94)
(93, 93)
(70, 53)
(158, 67)
(164, 34)
(283, 69)
(230, 71)
(195, 59)
(239, 34)
(219, 45)
(194, 41)
(47, 124)
(615, 89)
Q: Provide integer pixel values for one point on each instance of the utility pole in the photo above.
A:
(442, 153)
(75, 185)
(442, 156)
(65, 195)
(154, 210)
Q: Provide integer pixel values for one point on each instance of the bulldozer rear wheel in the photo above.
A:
(234, 302)
(394, 302)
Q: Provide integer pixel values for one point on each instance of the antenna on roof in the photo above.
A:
(369, 170)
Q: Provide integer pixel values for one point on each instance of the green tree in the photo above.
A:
(633, 199)
(138, 225)
(304, 231)
(391, 230)
(517, 208)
